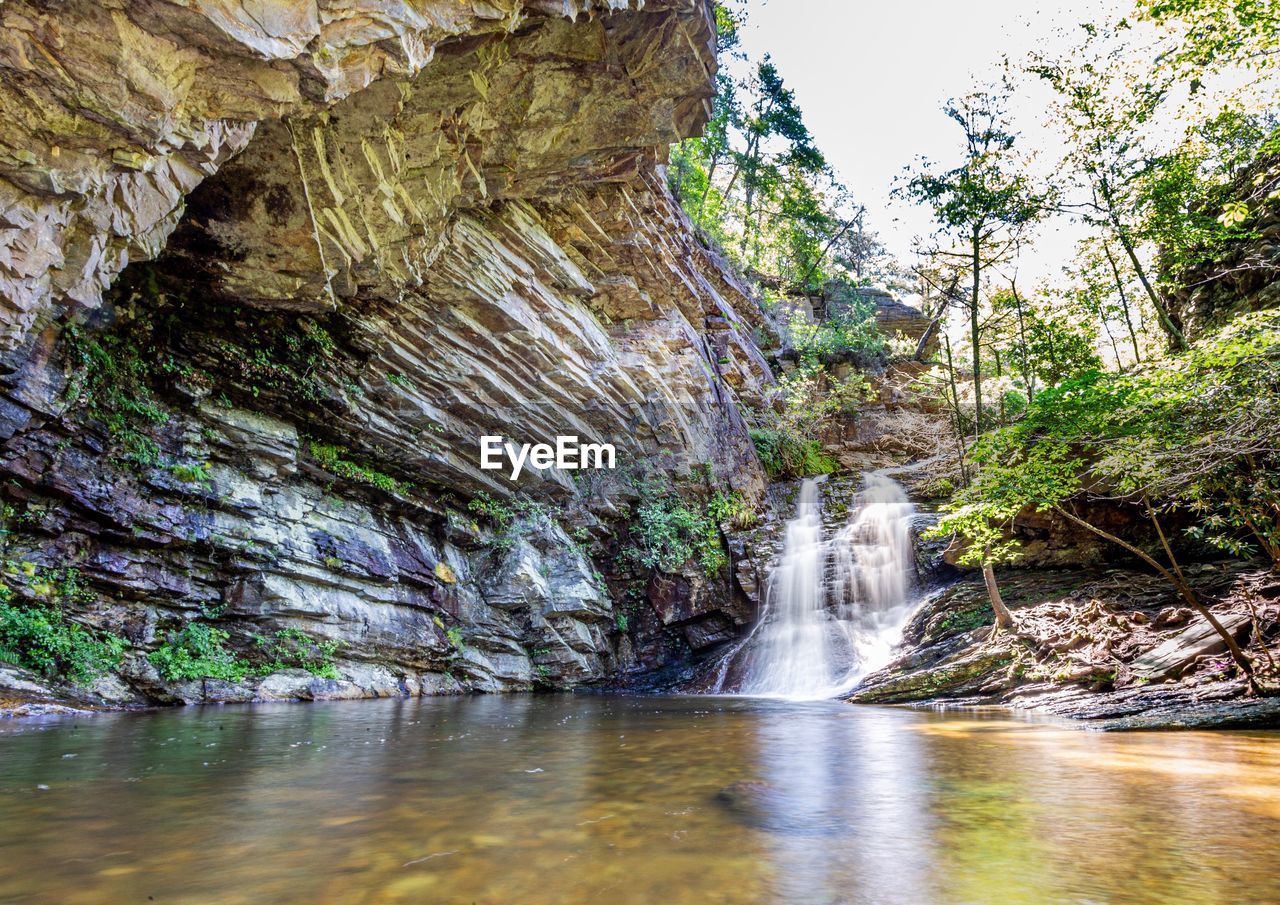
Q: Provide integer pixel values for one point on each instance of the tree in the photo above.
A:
(1221, 31)
(984, 527)
(982, 206)
(1203, 437)
(1103, 106)
(695, 161)
(777, 140)
(1050, 337)
(758, 187)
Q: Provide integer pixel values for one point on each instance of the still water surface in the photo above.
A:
(614, 800)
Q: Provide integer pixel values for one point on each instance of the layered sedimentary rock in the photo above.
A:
(376, 232)
(1244, 274)
(115, 111)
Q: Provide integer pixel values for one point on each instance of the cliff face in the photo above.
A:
(1245, 274)
(267, 274)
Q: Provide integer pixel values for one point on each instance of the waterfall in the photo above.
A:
(791, 655)
(834, 609)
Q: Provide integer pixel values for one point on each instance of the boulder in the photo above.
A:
(1181, 650)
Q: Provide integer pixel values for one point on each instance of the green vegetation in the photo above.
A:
(291, 648)
(199, 651)
(759, 187)
(506, 516)
(40, 638)
(788, 437)
(35, 632)
(756, 183)
(111, 378)
(333, 458)
(784, 454)
(849, 335)
(983, 205)
(731, 508)
(1198, 437)
(668, 531)
(284, 356)
(192, 473)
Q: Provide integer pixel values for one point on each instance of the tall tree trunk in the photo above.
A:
(748, 220)
(711, 175)
(1004, 619)
(927, 335)
(1028, 377)
(1115, 350)
(1176, 339)
(803, 282)
(1270, 548)
(974, 332)
(681, 168)
(1124, 301)
(995, 350)
(955, 410)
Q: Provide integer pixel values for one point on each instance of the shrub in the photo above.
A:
(334, 460)
(112, 380)
(198, 651)
(192, 473)
(669, 532)
(808, 401)
(505, 517)
(851, 334)
(731, 509)
(291, 648)
(785, 453)
(41, 639)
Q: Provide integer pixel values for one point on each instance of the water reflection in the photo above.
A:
(529, 800)
(847, 815)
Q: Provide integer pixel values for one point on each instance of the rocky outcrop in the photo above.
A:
(1110, 646)
(115, 112)
(1244, 274)
(893, 316)
(376, 232)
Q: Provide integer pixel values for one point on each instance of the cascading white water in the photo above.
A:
(874, 570)
(790, 655)
(817, 636)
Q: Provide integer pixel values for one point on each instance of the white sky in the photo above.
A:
(871, 77)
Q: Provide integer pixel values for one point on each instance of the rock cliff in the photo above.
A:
(267, 274)
(1243, 274)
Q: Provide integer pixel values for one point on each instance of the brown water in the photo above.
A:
(613, 800)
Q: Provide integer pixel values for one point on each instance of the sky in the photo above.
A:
(871, 77)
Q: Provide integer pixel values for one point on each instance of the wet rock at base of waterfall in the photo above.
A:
(704, 611)
(1184, 648)
(715, 629)
(969, 675)
(1086, 643)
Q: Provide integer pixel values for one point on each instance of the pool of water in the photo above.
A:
(628, 800)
